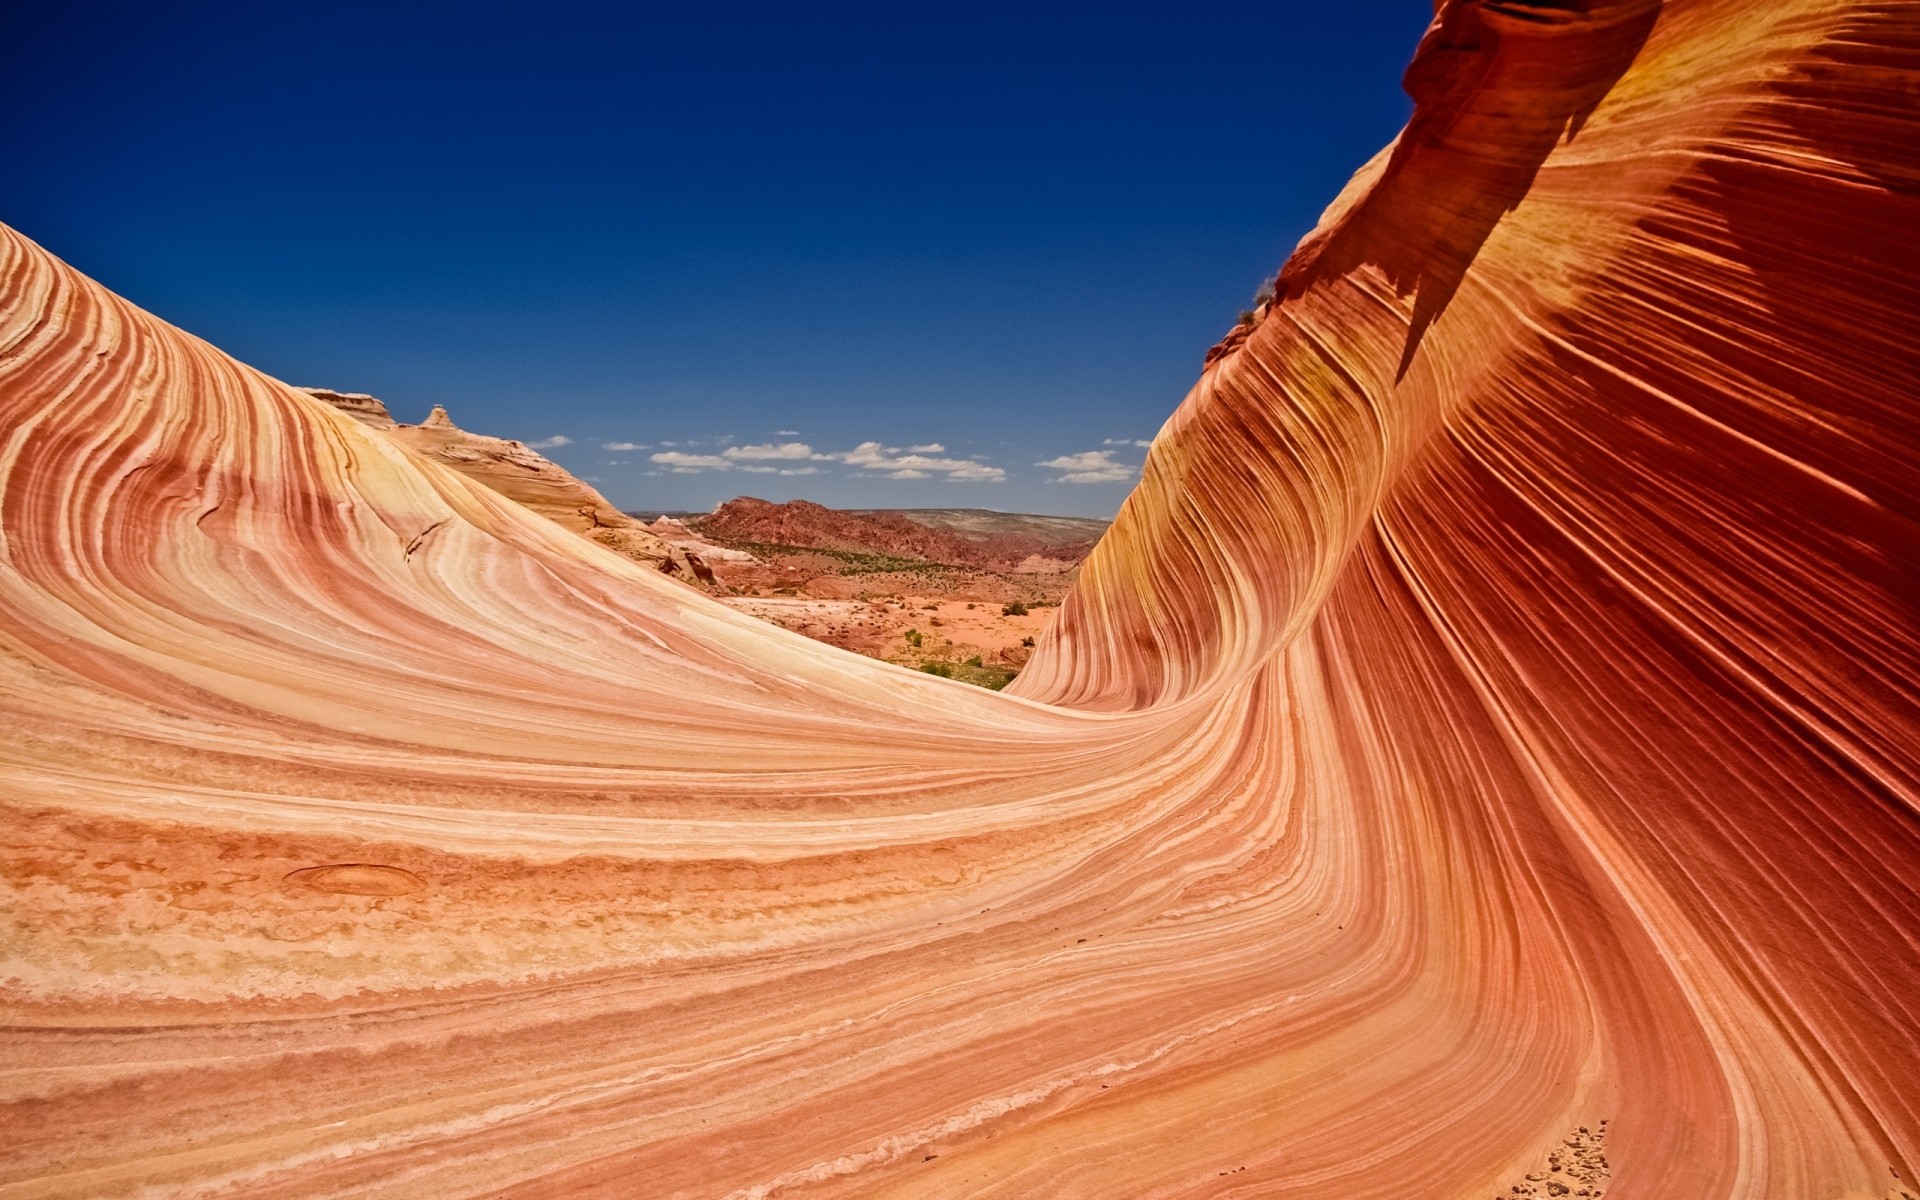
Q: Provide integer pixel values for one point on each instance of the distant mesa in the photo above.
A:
(960, 593)
(963, 537)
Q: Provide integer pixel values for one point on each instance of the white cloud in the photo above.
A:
(786, 433)
(787, 458)
(754, 460)
(872, 456)
(625, 446)
(1125, 442)
(557, 439)
(1092, 466)
(684, 463)
(769, 450)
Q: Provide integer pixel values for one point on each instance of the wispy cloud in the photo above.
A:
(1125, 442)
(786, 433)
(550, 442)
(771, 450)
(682, 463)
(786, 458)
(626, 445)
(888, 460)
(1092, 466)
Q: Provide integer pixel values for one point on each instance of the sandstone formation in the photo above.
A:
(528, 477)
(1483, 759)
(368, 410)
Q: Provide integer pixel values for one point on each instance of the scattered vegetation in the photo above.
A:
(1261, 298)
(913, 638)
(1016, 609)
(854, 562)
(992, 676)
(1027, 642)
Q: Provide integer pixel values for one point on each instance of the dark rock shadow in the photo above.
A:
(1496, 84)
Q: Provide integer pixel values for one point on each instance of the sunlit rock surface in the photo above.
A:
(522, 473)
(1481, 758)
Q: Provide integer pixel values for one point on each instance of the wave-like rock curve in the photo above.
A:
(1480, 760)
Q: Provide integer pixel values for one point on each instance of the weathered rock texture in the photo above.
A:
(525, 475)
(1484, 752)
(368, 410)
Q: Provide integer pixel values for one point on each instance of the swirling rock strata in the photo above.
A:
(1480, 759)
(523, 474)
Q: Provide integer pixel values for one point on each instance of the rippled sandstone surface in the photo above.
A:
(1481, 760)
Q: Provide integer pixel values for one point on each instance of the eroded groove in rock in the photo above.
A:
(1493, 716)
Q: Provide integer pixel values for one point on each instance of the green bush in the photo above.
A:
(1016, 609)
(937, 668)
(974, 661)
(913, 638)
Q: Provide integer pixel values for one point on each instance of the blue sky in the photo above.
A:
(876, 256)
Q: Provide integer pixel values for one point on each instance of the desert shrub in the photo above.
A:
(913, 637)
(937, 668)
(1016, 609)
(1027, 642)
(974, 661)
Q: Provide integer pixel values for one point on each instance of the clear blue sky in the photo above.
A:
(1011, 232)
